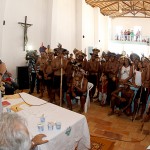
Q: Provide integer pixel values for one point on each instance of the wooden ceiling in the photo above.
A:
(122, 8)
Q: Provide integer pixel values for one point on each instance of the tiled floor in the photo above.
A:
(121, 129)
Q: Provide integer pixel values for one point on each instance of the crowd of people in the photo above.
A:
(129, 35)
(120, 81)
(123, 83)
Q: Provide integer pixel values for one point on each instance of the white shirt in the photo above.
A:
(138, 81)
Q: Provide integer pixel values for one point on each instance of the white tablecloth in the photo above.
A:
(58, 139)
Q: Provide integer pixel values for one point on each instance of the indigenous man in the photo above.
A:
(112, 72)
(71, 57)
(78, 88)
(59, 65)
(2, 72)
(2, 69)
(80, 57)
(143, 92)
(105, 65)
(135, 59)
(40, 64)
(93, 68)
(123, 101)
(48, 76)
(126, 72)
(69, 71)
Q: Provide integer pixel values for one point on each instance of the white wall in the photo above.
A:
(12, 42)
(87, 25)
(2, 10)
(95, 28)
(79, 24)
(64, 24)
(76, 19)
(129, 48)
(53, 21)
(49, 22)
(104, 32)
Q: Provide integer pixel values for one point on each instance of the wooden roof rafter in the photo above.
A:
(116, 8)
(108, 5)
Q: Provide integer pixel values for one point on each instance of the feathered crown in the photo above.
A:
(95, 52)
(78, 53)
(61, 50)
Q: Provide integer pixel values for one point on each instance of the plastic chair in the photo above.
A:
(87, 103)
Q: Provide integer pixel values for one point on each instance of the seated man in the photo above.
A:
(15, 135)
(78, 88)
(2, 69)
(10, 84)
(123, 101)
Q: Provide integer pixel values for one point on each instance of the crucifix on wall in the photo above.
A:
(25, 25)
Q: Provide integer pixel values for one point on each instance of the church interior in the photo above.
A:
(85, 58)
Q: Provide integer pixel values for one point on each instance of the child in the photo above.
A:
(103, 89)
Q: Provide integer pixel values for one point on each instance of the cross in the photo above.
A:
(25, 25)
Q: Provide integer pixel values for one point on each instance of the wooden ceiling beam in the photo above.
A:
(135, 4)
(110, 10)
(143, 5)
(101, 1)
(140, 7)
(131, 17)
(126, 4)
(131, 5)
(147, 2)
(136, 10)
(120, 14)
(109, 5)
(128, 10)
(144, 13)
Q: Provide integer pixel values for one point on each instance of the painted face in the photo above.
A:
(136, 61)
(79, 74)
(50, 55)
(121, 61)
(43, 54)
(93, 56)
(104, 77)
(126, 61)
(106, 58)
(80, 57)
(112, 58)
(140, 65)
